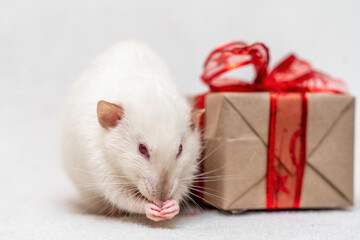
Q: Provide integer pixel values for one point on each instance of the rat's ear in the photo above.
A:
(195, 116)
(109, 114)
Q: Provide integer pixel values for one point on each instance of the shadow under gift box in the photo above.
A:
(236, 132)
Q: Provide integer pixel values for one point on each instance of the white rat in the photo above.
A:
(130, 139)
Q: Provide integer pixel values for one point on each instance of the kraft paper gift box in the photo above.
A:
(236, 139)
(283, 141)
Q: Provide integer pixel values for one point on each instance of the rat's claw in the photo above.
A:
(170, 209)
(153, 212)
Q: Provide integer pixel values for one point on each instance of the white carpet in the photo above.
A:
(44, 45)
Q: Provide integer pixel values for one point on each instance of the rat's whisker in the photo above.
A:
(103, 195)
(113, 210)
(208, 172)
(209, 127)
(93, 204)
(194, 202)
(207, 201)
(104, 208)
(90, 188)
(105, 184)
(208, 194)
(211, 153)
(199, 176)
(94, 172)
(212, 126)
(205, 188)
(187, 196)
(218, 179)
(224, 177)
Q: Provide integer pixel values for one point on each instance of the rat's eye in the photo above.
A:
(144, 151)
(179, 151)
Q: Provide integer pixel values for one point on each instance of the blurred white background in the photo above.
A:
(45, 45)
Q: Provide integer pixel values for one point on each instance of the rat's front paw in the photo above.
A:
(153, 212)
(170, 209)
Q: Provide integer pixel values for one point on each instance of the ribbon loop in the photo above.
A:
(291, 75)
(231, 56)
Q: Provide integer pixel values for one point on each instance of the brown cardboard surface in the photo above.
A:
(236, 132)
(332, 155)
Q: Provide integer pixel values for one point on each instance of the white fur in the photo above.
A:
(105, 164)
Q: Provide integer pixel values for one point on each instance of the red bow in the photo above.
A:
(291, 75)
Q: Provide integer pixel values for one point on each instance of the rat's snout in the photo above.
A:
(161, 190)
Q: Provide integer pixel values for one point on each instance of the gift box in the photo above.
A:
(283, 141)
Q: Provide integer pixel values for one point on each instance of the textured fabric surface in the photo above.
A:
(44, 45)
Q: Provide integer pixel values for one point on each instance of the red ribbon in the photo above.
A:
(288, 84)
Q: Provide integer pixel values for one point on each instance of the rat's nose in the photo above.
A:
(157, 192)
(158, 203)
(161, 195)
(162, 188)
